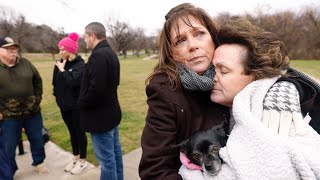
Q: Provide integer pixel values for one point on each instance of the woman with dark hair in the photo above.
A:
(178, 90)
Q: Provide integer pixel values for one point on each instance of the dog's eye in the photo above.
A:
(197, 156)
(215, 148)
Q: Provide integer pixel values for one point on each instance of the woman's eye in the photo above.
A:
(199, 33)
(224, 70)
(179, 41)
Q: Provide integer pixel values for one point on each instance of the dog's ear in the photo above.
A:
(182, 145)
(221, 132)
(219, 126)
(222, 136)
(219, 129)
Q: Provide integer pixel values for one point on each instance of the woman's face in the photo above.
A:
(192, 46)
(230, 78)
(63, 53)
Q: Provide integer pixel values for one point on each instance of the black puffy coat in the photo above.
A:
(66, 85)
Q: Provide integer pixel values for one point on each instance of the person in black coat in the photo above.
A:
(99, 106)
(66, 88)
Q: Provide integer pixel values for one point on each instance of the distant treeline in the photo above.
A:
(299, 30)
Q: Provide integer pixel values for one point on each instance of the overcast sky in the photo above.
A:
(74, 15)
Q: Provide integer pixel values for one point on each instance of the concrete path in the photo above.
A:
(57, 159)
(131, 163)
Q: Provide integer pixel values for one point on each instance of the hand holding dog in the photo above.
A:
(281, 107)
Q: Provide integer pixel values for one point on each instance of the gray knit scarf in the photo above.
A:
(191, 81)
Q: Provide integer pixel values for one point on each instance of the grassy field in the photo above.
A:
(131, 96)
(310, 67)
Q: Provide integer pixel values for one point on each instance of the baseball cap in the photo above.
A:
(7, 41)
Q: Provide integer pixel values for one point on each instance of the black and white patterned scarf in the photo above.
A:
(192, 81)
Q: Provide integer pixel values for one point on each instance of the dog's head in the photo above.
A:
(203, 147)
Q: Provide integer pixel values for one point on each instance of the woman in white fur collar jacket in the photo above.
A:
(270, 139)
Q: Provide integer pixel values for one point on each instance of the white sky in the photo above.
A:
(74, 15)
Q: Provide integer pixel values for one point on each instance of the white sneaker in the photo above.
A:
(71, 165)
(42, 169)
(79, 167)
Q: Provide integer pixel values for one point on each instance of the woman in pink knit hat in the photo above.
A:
(66, 88)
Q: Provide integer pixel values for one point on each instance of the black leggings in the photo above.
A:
(77, 136)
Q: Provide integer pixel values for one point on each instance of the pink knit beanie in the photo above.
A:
(70, 43)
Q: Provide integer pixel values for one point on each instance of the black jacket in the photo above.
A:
(309, 93)
(173, 116)
(66, 85)
(99, 106)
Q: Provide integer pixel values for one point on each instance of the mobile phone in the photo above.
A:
(60, 60)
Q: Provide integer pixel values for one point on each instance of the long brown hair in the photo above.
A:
(166, 64)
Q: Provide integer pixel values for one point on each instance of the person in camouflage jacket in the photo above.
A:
(20, 97)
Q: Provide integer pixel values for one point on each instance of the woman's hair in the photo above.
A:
(97, 29)
(166, 64)
(266, 56)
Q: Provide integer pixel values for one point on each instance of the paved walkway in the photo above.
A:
(57, 158)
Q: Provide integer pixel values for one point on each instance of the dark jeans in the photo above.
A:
(6, 167)
(11, 132)
(77, 136)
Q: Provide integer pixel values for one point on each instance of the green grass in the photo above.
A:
(311, 67)
(132, 99)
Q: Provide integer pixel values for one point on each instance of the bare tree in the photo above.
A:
(48, 38)
(152, 44)
(140, 41)
(5, 21)
(309, 22)
(15, 26)
(222, 17)
(121, 36)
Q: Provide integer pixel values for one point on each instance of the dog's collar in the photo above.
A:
(186, 162)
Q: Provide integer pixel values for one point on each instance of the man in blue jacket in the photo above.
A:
(99, 106)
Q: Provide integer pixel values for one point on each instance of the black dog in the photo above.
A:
(203, 147)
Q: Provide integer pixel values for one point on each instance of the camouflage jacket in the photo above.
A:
(20, 90)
